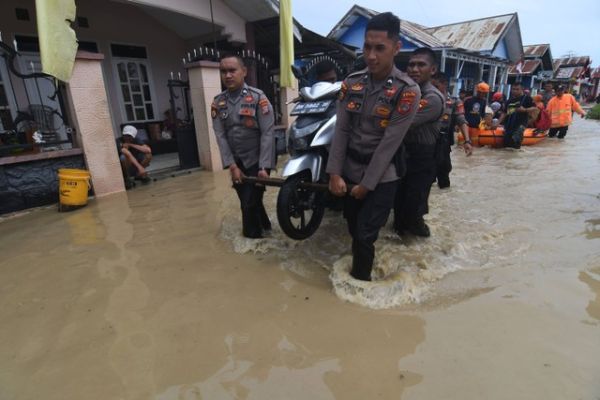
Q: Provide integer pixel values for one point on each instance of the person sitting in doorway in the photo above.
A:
(135, 156)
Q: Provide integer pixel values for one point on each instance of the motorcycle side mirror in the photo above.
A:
(297, 71)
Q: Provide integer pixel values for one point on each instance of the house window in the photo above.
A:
(135, 91)
(134, 82)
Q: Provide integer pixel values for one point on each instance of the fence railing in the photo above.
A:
(32, 106)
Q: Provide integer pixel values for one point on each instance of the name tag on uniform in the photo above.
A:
(247, 110)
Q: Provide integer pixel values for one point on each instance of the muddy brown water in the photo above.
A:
(153, 294)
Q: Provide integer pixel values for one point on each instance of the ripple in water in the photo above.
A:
(405, 269)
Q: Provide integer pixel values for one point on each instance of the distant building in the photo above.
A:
(595, 81)
(574, 72)
(535, 67)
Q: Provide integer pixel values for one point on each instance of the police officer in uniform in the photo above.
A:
(454, 115)
(375, 110)
(243, 121)
(421, 144)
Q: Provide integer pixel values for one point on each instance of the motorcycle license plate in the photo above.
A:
(314, 107)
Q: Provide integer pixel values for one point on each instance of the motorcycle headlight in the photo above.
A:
(299, 144)
(306, 130)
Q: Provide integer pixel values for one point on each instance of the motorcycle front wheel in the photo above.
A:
(299, 211)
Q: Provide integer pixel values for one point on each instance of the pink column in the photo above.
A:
(89, 106)
(205, 84)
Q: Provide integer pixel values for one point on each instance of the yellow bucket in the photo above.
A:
(74, 185)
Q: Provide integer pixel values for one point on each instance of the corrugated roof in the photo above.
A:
(409, 29)
(571, 62)
(477, 35)
(535, 50)
(569, 72)
(528, 67)
(417, 32)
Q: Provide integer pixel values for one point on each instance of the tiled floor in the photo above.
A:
(163, 161)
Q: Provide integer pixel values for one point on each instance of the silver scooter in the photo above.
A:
(303, 195)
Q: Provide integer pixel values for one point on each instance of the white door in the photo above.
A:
(136, 89)
(41, 91)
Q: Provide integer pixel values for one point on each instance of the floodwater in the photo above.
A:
(153, 294)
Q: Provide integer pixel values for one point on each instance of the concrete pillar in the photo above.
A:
(443, 61)
(492, 77)
(89, 108)
(205, 84)
(457, 72)
(480, 74)
(286, 95)
(504, 82)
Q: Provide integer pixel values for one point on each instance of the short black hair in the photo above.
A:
(517, 84)
(386, 22)
(359, 64)
(425, 51)
(440, 77)
(233, 55)
(324, 67)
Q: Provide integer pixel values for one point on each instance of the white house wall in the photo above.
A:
(110, 23)
(234, 26)
(115, 23)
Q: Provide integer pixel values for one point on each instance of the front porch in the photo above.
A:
(141, 46)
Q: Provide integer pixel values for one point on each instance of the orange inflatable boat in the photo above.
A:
(495, 137)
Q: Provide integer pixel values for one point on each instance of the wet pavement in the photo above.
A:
(153, 294)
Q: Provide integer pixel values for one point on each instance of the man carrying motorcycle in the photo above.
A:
(376, 107)
(243, 122)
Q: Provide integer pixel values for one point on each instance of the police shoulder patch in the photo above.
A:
(357, 87)
(264, 106)
(213, 110)
(407, 98)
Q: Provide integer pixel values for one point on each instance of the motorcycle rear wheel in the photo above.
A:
(299, 211)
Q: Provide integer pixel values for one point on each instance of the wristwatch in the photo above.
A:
(468, 141)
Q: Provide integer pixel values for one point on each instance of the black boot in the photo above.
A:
(443, 183)
(420, 228)
(362, 263)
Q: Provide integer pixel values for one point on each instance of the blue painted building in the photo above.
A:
(469, 52)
